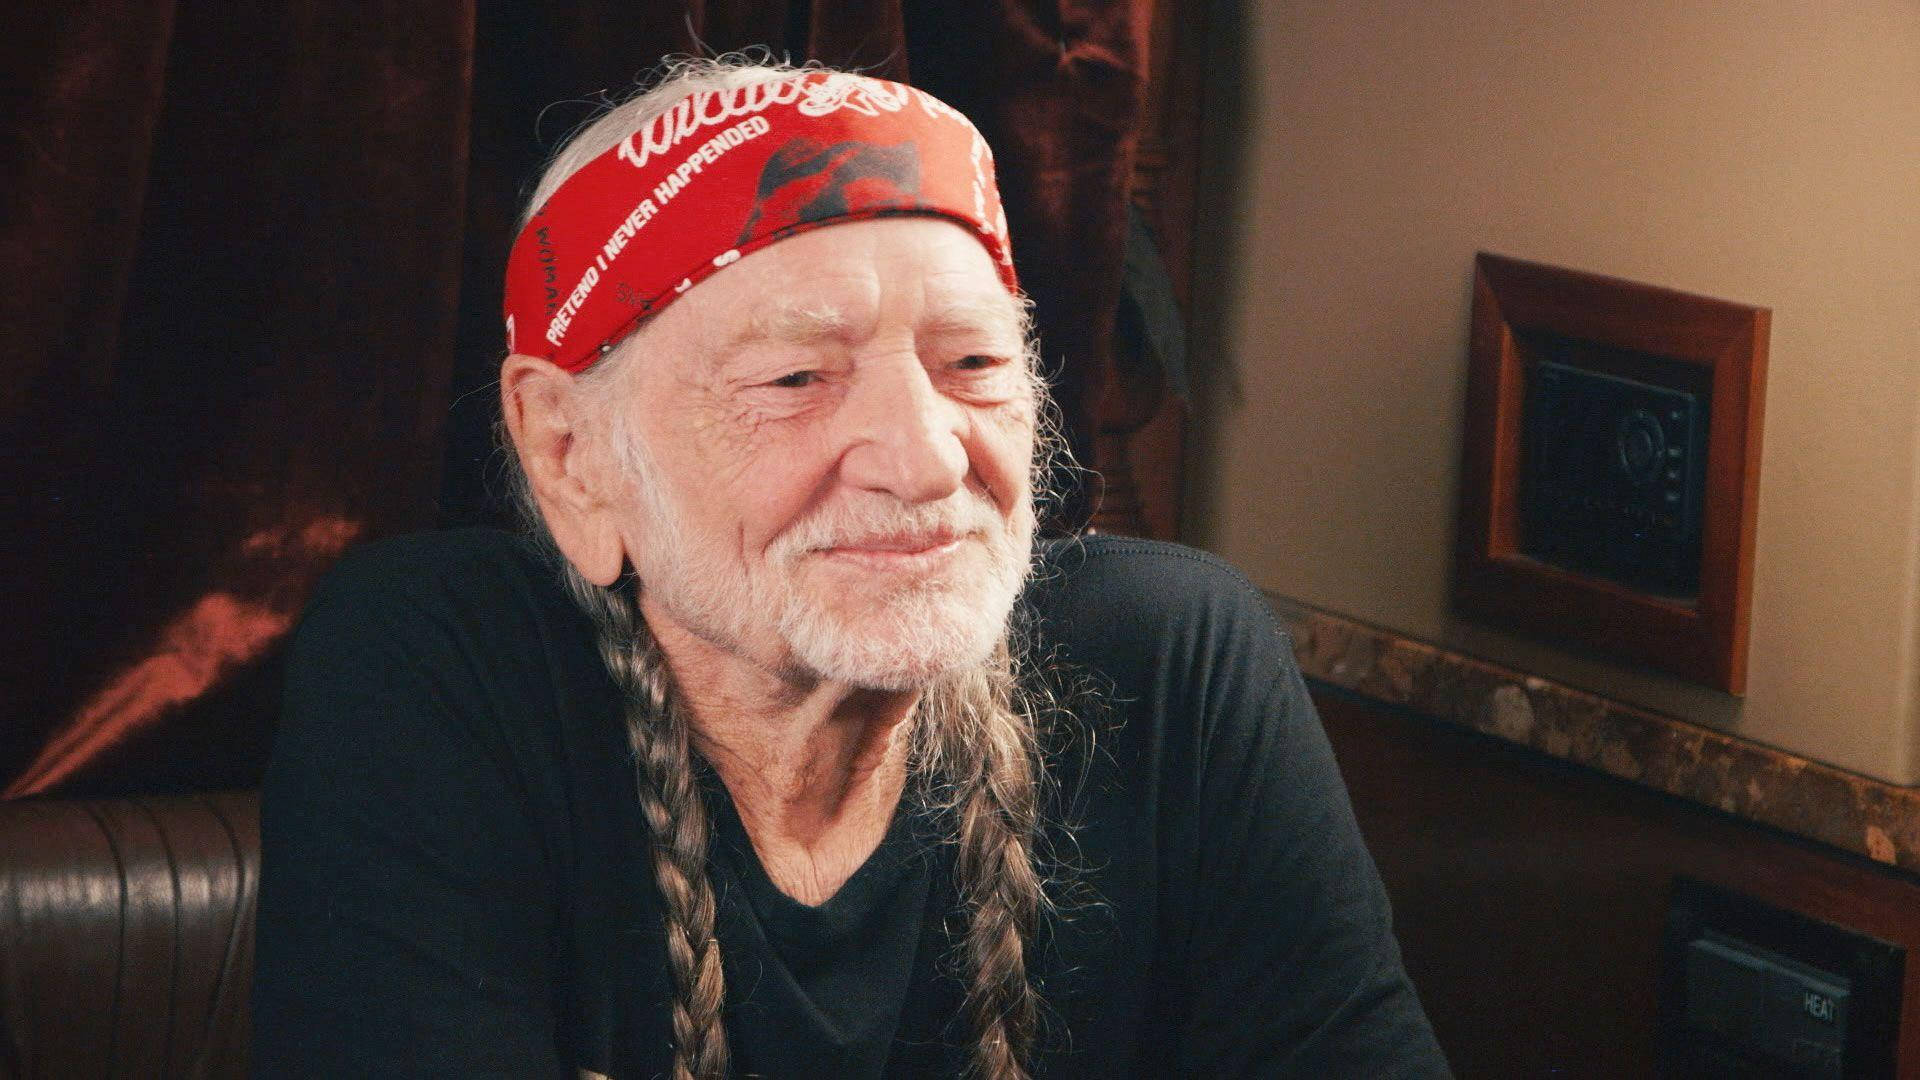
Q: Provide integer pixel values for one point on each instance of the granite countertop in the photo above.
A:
(1742, 778)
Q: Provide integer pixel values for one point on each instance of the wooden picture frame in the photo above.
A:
(1723, 346)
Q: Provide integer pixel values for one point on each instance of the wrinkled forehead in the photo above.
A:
(805, 321)
(925, 277)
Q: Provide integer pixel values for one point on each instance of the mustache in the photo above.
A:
(883, 519)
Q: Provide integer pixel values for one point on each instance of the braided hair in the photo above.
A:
(676, 817)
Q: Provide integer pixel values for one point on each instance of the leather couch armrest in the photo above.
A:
(126, 935)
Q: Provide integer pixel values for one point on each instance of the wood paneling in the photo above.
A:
(1529, 893)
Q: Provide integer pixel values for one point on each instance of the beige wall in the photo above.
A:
(1766, 153)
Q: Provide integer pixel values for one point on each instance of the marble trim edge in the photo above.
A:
(1746, 779)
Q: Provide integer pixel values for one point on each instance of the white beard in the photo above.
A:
(888, 633)
(901, 635)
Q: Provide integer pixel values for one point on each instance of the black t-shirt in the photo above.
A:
(456, 880)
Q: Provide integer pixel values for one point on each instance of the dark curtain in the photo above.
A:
(255, 254)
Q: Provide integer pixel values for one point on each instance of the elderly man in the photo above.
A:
(782, 749)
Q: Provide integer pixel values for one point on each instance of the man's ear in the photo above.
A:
(537, 401)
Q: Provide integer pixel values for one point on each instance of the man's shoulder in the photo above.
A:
(1100, 553)
(1131, 580)
(1147, 609)
(437, 563)
(470, 579)
(479, 614)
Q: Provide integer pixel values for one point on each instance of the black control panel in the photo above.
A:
(1612, 476)
(1749, 991)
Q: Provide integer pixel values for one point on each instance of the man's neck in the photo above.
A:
(815, 769)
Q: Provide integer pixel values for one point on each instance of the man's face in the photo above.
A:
(830, 445)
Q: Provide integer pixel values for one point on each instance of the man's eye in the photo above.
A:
(977, 362)
(795, 380)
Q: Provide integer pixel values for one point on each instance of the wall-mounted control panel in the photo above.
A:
(1751, 1002)
(1609, 470)
(1612, 477)
(1752, 990)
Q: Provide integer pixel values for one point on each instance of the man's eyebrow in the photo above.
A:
(998, 315)
(799, 324)
(794, 323)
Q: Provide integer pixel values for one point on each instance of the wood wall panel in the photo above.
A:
(1529, 893)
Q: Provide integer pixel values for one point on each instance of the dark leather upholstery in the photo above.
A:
(126, 936)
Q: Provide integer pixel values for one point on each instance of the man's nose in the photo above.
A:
(905, 433)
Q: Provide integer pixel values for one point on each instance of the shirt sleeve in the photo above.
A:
(1280, 929)
(1293, 964)
(405, 924)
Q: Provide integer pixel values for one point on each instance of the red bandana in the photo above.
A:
(723, 173)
